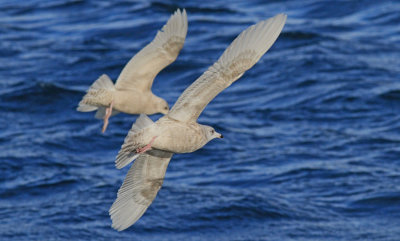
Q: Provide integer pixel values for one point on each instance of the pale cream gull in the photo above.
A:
(132, 91)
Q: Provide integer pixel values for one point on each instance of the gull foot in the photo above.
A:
(146, 147)
(108, 114)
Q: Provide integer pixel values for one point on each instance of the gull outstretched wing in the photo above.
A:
(240, 56)
(139, 189)
(141, 70)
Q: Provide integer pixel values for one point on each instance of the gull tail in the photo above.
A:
(99, 94)
(127, 154)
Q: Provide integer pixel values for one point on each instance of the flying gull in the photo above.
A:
(132, 91)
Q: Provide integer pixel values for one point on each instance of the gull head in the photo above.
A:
(161, 106)
(210, 133)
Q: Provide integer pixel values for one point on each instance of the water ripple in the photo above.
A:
(311, 148)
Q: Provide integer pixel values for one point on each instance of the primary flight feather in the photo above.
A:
(152, 144)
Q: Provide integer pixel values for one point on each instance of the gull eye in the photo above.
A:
(166, 108)
(212, 131)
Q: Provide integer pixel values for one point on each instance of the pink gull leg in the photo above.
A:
(108, 114)
(146, 147)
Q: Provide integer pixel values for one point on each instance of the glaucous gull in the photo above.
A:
(132, 91)
(154, 143)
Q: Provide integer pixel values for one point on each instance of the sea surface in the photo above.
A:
(312, 132)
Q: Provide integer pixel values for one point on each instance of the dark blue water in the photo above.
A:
(312, 147)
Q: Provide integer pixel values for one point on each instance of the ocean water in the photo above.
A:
(312, 132)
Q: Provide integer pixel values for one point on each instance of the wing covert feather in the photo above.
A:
(240, 56)
(141, 70)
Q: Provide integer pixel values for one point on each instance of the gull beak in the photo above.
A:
(221, 136)
(164, 111)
